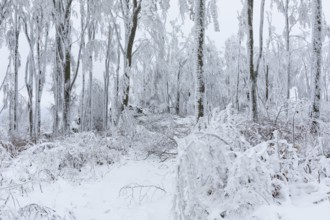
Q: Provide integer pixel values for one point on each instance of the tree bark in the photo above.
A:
(317, 64)
(252, 73)
(199, 62)
(129, 51)
(16, 66)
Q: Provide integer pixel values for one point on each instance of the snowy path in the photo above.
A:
(105, 199)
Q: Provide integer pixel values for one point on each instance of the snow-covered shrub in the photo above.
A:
(146, 135)
(37, 212)
(71, 158)
(221, 175)
(148, 142)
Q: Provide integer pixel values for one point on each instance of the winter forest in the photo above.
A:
(164, 109)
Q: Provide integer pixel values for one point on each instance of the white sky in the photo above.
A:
(227, 9)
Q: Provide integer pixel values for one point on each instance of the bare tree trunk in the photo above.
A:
(288, 53)
(40, 75)
(16, 66)
(91, 38)
(129, 51)
(238, 72)
(115, 99)
(261, 36)
(253, 76)
(177, 106)
(57, 80)
(67, 91)
(82, 45)
(267, 83)
(317, 63)
(29, 87)
(107, 81)
(82, 107)
(199, 62)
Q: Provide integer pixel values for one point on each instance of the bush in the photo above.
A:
(220, 174)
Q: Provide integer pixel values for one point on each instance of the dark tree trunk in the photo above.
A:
(199, 68)
(267, 83)
(129, 51)
(317, 63)
(16, 63)
(67, 92)
(253, 75)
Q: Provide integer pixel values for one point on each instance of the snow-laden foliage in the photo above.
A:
(221, 175)
(146, 135)
(67, 159)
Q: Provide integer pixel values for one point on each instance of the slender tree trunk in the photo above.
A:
(199, 62)
(267, 83)
(288, 53)
(90, 91)
(16, 66)
(83, 47)
(317, 63)
(57, 94)
(115, 99)
(29, 87)
(107, 81)
(177, 106)
(67, 92)
(261, 36)
(82, 107)
(253, 76)
(91, 38)
(238, 71)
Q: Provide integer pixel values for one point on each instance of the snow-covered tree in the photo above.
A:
(200, 9)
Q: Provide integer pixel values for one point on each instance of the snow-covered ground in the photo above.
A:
(311, 202)
(131, 190)
(87, 177)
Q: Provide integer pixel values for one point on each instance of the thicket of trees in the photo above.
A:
(149, 62)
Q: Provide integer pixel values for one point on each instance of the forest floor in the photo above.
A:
(131, 190)
(133, 187)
